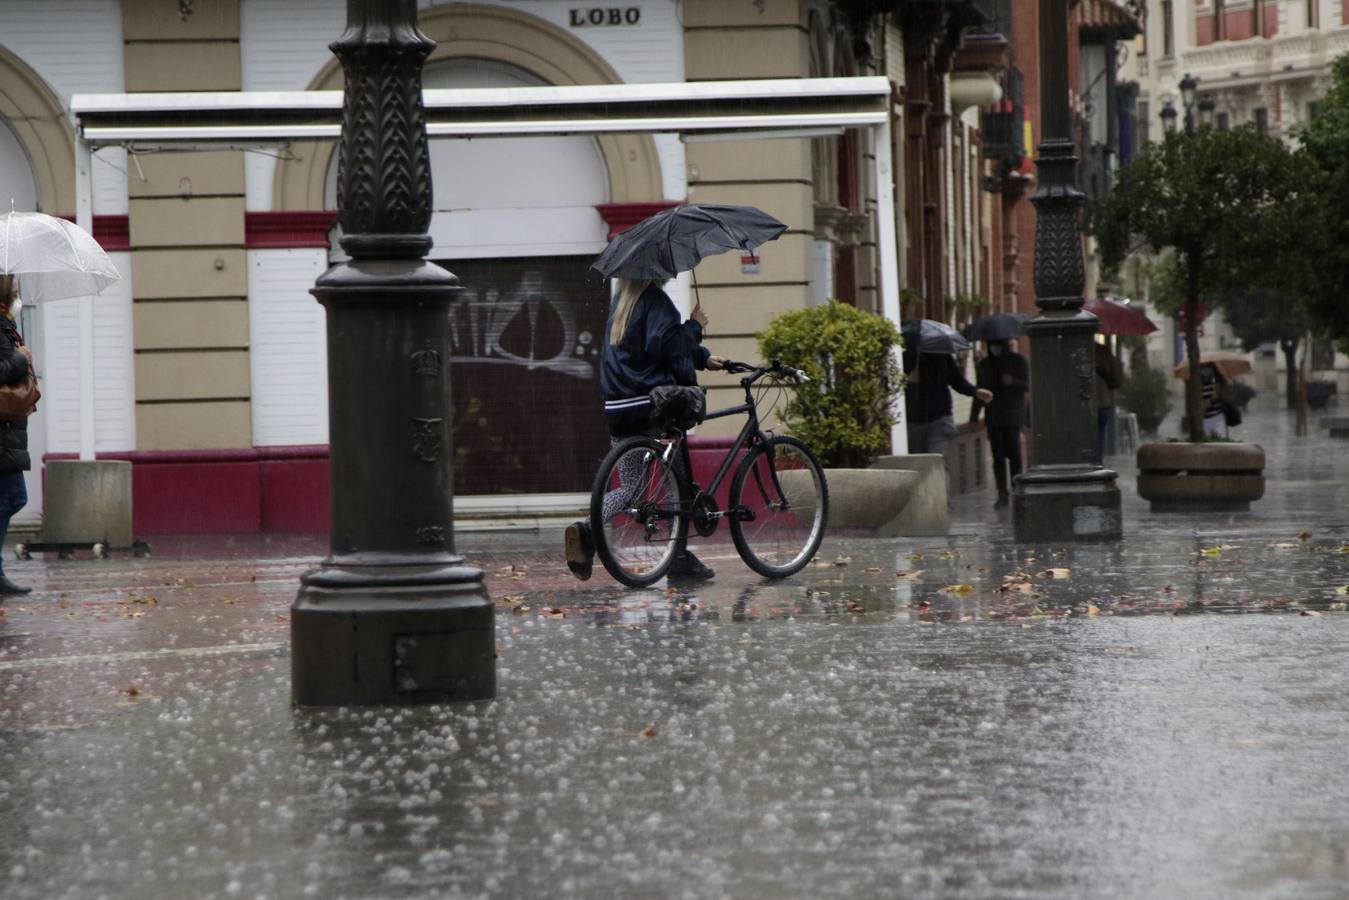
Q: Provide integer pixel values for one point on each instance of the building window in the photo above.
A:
(1168, 31)
(1144, 125)
(1219, 20)
(1313, 109)
(1224, 121)
(1260, 116)
(1313, 14)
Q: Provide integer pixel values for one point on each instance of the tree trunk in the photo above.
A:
(1303, 371)
(1194, 404)
(1289, 348)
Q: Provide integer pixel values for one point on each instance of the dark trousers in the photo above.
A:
(13, 497)
(1004, 441)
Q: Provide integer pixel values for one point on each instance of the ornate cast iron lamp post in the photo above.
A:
(1065, 496)
(392, 615)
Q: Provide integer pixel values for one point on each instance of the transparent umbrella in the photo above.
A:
(54, 259)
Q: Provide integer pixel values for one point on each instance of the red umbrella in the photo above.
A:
(1119, 318)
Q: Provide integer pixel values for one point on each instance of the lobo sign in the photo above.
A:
(598, 15)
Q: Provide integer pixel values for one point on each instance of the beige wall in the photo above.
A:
(187, 242)
(734, 40)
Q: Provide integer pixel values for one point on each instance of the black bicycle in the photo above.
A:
(779, 500)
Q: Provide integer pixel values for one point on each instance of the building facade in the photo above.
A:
(1259, 62)
(210, 357)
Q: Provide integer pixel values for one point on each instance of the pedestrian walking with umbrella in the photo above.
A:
(1116, 318)
(647, 349)
(53, 260)
(18, 392)
(932, 373)
(1005, 375)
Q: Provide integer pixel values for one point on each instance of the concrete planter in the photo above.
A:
(1180, 477)
(868, 500)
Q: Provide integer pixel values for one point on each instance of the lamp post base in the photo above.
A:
(374, 635)
(1064, 504)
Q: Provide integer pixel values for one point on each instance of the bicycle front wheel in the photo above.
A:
(636, 512)
(779, 506)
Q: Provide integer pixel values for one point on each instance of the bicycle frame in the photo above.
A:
(749, 435)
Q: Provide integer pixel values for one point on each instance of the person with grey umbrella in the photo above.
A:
(928, 413)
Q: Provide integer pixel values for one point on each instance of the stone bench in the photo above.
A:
(1337, 425)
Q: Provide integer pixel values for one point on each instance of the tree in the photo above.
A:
(1325, 147)
(1223, 203)
(1259, 314)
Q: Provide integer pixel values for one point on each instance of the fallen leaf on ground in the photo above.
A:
(958, 589)
(855, 606)
(910, 576)
(915, 556)
(842, 560)
(650, 731)
(1304, 535)
(1309, 612)
(873, 568)
(1211, 551)
(1056, 573)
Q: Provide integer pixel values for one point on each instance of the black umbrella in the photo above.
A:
(928, 336)
(675, 240)
(997, 327)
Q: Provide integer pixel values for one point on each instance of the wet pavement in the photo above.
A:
(949, 717)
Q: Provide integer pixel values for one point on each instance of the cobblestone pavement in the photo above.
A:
(938, 717)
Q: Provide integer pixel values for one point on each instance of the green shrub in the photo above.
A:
(846, 411)
(1144, 394)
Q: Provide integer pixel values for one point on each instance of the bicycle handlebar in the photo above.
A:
(757, 372)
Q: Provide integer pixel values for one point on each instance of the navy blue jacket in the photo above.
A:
(13, 369)
(927, 398)
(656, 349)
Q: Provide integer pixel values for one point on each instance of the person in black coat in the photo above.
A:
(1006, 374)
(928, 416)
(14, 459)
(647, 345)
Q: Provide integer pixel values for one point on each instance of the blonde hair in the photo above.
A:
(629, 289)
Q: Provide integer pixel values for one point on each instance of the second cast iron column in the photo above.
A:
(1065, 496)
(392, 615)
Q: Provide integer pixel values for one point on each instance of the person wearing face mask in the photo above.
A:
(14, 460)
(1005, 374)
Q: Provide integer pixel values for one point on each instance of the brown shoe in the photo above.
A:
(580, 549)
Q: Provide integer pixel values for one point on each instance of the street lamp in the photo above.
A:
(1168, 115)
(1188, 86)
(392, 615)
(1065, 496)
(1206, 107)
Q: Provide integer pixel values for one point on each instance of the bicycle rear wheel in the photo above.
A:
(636, 512)
(779, 507)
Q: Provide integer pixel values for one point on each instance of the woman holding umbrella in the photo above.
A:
(14, 459)
(647, 346)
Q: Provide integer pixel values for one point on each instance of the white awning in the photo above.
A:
(778, 105)
(710, 110)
